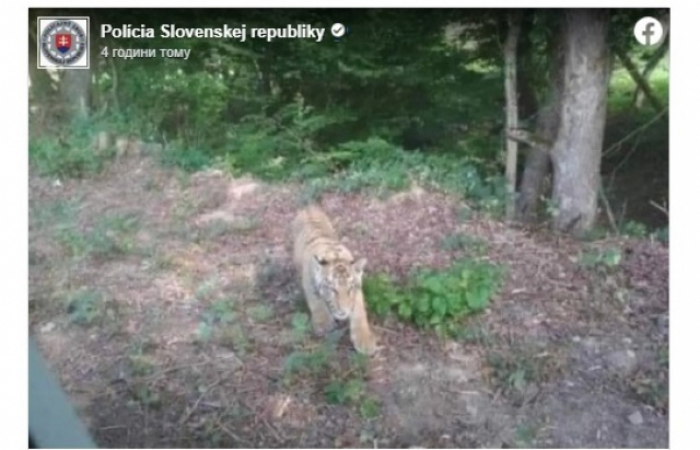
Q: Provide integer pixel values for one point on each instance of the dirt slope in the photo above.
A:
(167, 305)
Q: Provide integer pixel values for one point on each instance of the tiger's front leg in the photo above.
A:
(322, 320)
(361, 335)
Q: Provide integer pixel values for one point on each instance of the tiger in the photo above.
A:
(331, 278)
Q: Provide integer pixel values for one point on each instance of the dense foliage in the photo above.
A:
(404, 95)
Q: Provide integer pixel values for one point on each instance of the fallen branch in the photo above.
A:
(231, 434)
(157, 375)
(638, 78)
(189, 411)
(659, 207)
(527, 137)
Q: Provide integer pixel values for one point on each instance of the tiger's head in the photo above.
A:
(338, 281)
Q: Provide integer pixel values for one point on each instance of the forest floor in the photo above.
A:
(168, 307)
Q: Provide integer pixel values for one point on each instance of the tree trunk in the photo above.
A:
(576, 153)
(40, 81)
(537, 159)
(537, 164)
(510, 57)
(75, 90)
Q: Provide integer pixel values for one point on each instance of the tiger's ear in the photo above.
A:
(359, 266)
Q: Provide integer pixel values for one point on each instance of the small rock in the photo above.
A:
(47, 327)
(624, 361)
(661, 322)
(591, 345)
(636, 418)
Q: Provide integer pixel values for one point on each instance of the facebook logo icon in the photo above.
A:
(648, 31)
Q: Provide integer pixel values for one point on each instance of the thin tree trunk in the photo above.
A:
(510, 57)
(654, 61)
(114, 92)
(75, 92)
(639, 79)
(527, 96)
(576, 153)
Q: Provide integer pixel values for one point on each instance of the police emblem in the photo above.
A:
(64, 42)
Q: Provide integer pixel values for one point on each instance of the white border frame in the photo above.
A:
(684, 189)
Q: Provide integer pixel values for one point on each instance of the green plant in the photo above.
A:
(301, 326)
(72, 157)
(650, 384)
(220, 312)
(344, 392)
(204, 331)
(206, 290)
(307, 362)
(261, 313)
(661, 235)
(596, 233)
(435, 299)
(141, 393)
(601, 259)
(370, 407)
(634, 229)
(651, 389)
(84, 307)
(140, 366)
(525, 436)
(234, 337)
(349, 388)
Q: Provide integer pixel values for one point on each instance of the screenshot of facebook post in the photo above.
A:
(361, 228)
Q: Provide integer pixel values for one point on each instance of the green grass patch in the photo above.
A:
(622, 88)
(601, 259)
(70, 156)
(261, 313)
(110, 237)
